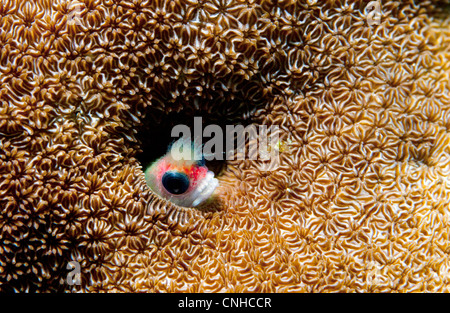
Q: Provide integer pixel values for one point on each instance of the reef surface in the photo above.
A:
(89, 91)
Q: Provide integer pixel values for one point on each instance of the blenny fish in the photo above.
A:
(181, 175)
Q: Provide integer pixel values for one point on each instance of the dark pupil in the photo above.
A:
(175, 182)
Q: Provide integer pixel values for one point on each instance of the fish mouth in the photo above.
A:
(205, 189)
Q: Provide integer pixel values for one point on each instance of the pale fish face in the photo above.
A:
(181, 179)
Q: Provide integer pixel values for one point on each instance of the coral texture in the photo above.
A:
(360, 201)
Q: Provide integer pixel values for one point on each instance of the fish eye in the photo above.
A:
(175, 182)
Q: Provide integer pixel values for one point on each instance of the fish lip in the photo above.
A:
(209, 184)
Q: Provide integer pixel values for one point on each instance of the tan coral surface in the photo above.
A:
(360, 201)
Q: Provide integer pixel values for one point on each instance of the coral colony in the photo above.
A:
(357, 199)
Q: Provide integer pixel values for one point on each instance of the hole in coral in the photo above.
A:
(155, 138)
(213, 106)
(441, 10)
(154, 135)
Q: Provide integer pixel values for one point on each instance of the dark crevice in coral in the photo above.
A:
(214, 108)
